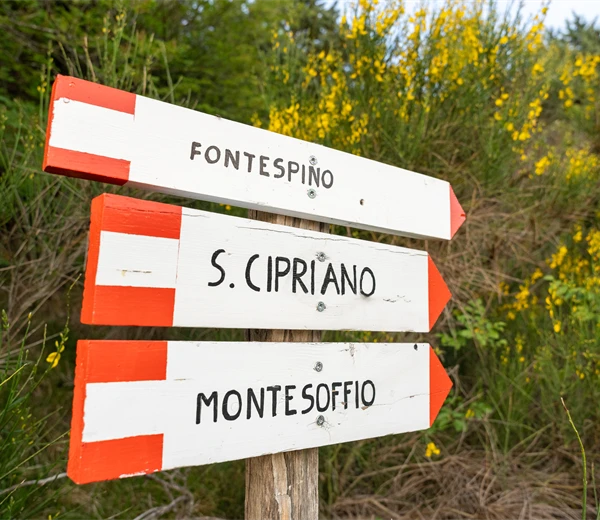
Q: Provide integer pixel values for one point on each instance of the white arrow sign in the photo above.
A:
(161, 265)
(143, 406)
(109, 135)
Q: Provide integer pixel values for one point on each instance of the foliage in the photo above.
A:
(24, 436)
(488, 101)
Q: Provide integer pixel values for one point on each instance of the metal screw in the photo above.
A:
(318, 366)
(416, 347)
(66, 100)
(311, 193)
(321, 257)
(312, 160)
(321, 306)
(320, 420)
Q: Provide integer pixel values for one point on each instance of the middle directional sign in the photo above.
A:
(155, 264)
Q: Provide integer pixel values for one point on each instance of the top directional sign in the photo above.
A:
(108, 135)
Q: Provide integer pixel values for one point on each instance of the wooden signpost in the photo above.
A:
(142, 406)
(108, 135)
(161, 265)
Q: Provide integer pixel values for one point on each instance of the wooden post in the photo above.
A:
(284, 486)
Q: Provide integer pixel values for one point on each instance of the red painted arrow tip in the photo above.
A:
(439, 385)
(439, 294)
(457, 214)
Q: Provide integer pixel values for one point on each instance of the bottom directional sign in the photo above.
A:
(141, 407)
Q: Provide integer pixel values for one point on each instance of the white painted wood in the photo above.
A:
(82, 127)
(400, 300)
(157, 141)
(399, 372)
(137, 260)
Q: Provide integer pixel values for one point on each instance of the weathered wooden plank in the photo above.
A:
(284, 486)
(108, 135)
(161, 265)
(148, 406)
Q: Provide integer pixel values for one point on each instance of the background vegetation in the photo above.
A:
(506, 111)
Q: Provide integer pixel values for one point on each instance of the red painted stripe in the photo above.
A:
(111, 361)
(93, 93)
(439, 385)
(91, 268)
(77, 417)
(141, 306)
(121, 361)
(106, 460)
(84, 165)
(140, 217)
(49, 124)
(439, 294)
(457, 214)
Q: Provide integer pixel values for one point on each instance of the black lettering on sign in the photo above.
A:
(250, 157)
(235, 160)
(293, 167)
(278, 272)
(277, 163)
(274, 390)
(297, 275)
(288, 398)
(260, 408)
(231, 416)
(248, 267)
(362, 393)
(195, 150)
(207, 154)
(320, 406)
(263, 165)
(269, 272)
(202, 399)
(329, 183)
(308, 397)
(346, 393)
(362, 274)
(334, 392)
(314, 176)
(312, 277)
(330, 278)
(346, 278)
(213, 261)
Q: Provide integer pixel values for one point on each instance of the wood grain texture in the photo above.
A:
(284, 486)
(164, 148)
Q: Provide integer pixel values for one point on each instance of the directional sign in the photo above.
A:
(109, 135)
(161, 265)
(143, 406)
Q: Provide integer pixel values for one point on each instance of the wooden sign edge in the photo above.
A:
(108, 361)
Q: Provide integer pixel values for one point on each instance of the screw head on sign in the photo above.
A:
(318, 366)
(311, 193)
(321, 257)
(416, 347)
(320, 420)
(66, 100)
(321, 306)
(312, 160)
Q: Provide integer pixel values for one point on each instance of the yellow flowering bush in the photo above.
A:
(461, 92)
(402, 87)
